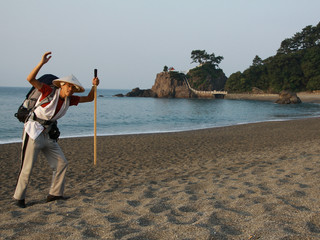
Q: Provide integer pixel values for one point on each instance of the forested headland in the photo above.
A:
(295, 67)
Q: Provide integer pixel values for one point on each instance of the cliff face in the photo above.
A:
(171, 85)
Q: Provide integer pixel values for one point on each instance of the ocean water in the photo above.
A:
(117, 116)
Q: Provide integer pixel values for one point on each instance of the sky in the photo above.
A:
(130, 41)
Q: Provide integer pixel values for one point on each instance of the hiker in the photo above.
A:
(41, 135)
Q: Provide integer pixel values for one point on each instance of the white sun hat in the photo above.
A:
(69, 79)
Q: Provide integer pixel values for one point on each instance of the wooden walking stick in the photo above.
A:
(95, 121)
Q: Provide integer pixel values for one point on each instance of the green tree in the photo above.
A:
(310, 63)
(207, 77)
(314, 83)
(165, 68)
(233, 83)
(201, 57)
(257, 61)
(307, 38)
(212, 59)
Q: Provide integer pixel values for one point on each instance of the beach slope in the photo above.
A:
(254, 181)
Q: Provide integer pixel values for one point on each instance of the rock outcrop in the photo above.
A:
(167, 85)
(256, 90)
(137, 92)
(171, 85)
(118, 95)
(288, 97)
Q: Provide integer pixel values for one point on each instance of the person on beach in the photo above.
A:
(38, 134)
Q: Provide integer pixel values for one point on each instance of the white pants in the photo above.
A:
(57, 161)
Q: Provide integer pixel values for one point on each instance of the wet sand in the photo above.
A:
(254, 181)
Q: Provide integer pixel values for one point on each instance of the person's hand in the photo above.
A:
(95, 81)
(45, 58)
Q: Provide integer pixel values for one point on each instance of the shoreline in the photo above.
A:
(251, 181)
(306, 97)
(164, 132)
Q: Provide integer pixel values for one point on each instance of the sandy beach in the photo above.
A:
(254, 181)
(306, 97)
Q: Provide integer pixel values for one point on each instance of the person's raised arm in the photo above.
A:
(90, 97)
(33, 74)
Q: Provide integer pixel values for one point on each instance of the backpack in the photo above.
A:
(29, 104)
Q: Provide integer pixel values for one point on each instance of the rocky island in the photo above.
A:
(203, 81)
(167, 85)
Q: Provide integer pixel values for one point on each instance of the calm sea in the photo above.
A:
(125, 115)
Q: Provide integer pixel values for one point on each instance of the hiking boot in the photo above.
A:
(21, 203)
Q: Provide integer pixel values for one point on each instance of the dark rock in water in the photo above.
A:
(288, 97)
(119, 95)
(137, 92)
(100, 96)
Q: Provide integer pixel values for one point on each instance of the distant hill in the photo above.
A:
(295, 67)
